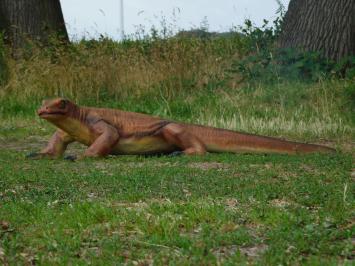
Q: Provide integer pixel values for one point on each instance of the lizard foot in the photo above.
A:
(32, 155)
(37, 155)
(71, 158)
(176, 153)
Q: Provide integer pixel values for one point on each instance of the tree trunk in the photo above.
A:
(325, 26)
(34, 19)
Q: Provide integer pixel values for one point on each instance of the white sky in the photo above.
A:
(91, 18)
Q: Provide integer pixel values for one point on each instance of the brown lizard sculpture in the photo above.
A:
(110, 131)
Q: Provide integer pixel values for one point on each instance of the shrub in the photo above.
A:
(4, 70)
(264, 61)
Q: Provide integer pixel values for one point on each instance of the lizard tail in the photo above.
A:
(221, 140)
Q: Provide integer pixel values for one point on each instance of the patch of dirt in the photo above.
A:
(103, 166)
(311, 169)
(348, 147)
(142, 204)
(255, 251)
(227, 251)
(4, 225)
(29, 144)
(209, 165)
(231, 203)
(36, 143)
(144, 164)
(131, 205)
(224, 252)
(281, 203)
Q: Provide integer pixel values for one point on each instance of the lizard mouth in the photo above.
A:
(45, 114)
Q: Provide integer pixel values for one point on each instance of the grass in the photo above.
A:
(106, 69)
(300, 111)
(219, 209)
(200, 210)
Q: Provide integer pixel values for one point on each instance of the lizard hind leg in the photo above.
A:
(177, 135)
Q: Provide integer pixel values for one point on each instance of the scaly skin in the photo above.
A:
(110, 131)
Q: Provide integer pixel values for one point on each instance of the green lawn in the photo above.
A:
(217, 209)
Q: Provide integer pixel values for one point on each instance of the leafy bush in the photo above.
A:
(3, 62)
(288, 64)
(349, 93)
(264, 61)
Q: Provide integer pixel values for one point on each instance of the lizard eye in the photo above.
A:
(62, 104)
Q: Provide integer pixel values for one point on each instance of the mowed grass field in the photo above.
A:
(219, 209)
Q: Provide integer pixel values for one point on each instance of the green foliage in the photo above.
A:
(289, 64)
(264, 61)
(260, 40)
(345, 68)
(349, 93)
(4, 70)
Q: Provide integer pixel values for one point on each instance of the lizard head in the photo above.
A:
(55, 109)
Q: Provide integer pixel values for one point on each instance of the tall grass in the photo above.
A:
(179, 77)
(105, 69)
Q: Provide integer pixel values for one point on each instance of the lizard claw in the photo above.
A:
(176, 153)
(71, 158)
(34, 155)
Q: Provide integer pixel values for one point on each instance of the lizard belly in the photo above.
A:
(84, 138)
(142, 145)
(78, 131)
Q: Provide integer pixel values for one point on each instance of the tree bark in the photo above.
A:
(325, 26)
(34, 19)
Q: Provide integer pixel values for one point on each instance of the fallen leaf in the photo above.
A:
(4, 225)
(229, 227)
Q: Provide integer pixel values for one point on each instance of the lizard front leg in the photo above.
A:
(55, 147)
(106, 140)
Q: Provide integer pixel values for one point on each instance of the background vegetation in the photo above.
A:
(239, 80)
